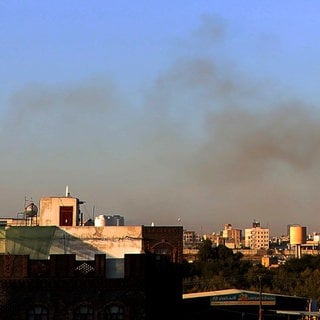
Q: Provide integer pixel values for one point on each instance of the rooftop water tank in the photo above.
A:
(100, 221)
(31, 210)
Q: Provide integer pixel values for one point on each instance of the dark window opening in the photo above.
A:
(114, 312)
(38, 313)
(83, 313)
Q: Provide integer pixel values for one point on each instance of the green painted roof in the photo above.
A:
(34, 241)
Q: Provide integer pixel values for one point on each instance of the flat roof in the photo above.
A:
(230, 292)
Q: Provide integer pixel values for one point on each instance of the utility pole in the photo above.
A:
(260, 298)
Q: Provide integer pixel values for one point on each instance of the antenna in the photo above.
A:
(93, 212)
(67, 191)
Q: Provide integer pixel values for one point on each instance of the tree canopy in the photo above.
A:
(217, 268)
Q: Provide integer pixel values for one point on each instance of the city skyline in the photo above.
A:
(99, 218)
(201, 111)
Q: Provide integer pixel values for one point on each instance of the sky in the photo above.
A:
(199, 113)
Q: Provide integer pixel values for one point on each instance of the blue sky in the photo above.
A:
(201, 110)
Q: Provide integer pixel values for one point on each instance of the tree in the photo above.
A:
(205, 253)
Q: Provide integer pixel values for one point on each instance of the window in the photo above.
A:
(163, 249)
(114, 312)
(83, 313)
(38, 313)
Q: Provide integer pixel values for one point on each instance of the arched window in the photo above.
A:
(166, 249)
(114, 312)
(38, 313)
(83, 312)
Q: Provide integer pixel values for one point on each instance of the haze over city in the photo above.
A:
(192, 112)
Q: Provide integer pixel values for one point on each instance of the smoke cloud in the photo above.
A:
(206, 145)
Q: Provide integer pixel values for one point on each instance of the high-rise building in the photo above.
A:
(257, 237)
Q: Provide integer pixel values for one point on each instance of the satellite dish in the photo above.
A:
(31, 210)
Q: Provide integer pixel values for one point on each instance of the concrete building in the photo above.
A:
(60, 211)
(60, 231)
(114, 220)
(64, 288)
(191, 239)
(66, 270)
(257, 237)
(232, 236)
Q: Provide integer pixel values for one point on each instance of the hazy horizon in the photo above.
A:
(193, 113)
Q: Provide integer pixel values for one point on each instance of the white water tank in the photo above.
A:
(100, 221)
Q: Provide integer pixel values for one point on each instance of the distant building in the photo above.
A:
(257, 237)
(270, 261)
(115, 220)
(232, 236)
(191, 242)
(191, 238)
(216, 239)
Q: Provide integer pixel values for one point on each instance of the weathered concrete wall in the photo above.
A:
(85, 241)
(50, 210)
